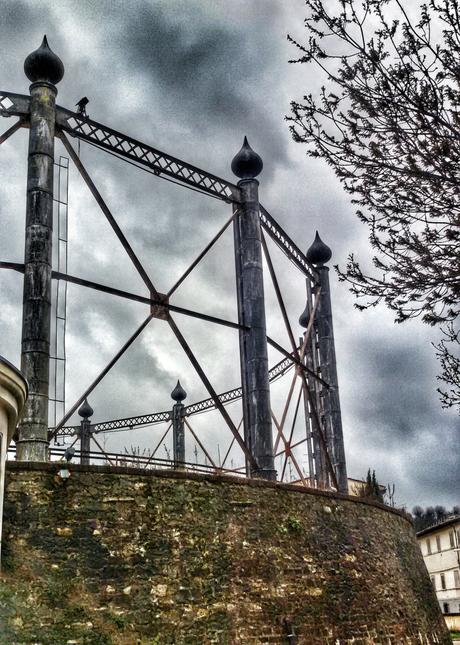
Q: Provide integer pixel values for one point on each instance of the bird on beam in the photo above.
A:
(81, 106)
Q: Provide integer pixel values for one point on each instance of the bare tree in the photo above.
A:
(387, 122)
(431, 516)
(450, 366)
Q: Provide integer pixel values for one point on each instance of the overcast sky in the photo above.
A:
(192, 78)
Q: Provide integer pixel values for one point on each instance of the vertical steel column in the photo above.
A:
(253, 342)
(319, 253)
(318, 393)
(317, 460)
(178, 394)
(241, 334)
(44, 69)
(85, 411)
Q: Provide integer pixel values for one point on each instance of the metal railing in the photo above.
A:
(125, 460)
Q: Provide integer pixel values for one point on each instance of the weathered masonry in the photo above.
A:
(133, 557)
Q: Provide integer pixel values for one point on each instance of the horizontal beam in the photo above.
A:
(284, 242)
(14, 266)
(160, 164)
(147, 301)
(14, 104)
(141, 153)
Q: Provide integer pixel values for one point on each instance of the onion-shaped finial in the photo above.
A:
(44, 65)
(319, 253)
(178, 394)
(86, 411)
(304, 317)
(246, 164)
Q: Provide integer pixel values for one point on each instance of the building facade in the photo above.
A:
(440, 546)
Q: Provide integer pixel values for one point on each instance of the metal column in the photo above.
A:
(85, 411)
(319, 253)
(44, 69)
(329, 374)
(253, 342)
(178, 394)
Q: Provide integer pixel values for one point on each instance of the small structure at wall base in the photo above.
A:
(13, 394)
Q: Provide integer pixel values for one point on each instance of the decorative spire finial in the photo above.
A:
(304, 317)
(246, 164)
(44, 65)
(86, 411)
(319, 253)
(178, 394)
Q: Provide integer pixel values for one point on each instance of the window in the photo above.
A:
(445, 607)
(428, 546)
(452, 539)
(438, 542)
(443, 581)
(433, 581)
(457, 578)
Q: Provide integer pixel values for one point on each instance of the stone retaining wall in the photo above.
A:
(134, 558)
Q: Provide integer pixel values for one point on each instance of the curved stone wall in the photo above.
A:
(118, 557)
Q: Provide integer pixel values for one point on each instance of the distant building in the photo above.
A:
(440, 545)
(356, 487)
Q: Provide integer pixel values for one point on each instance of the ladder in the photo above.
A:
(57, 380)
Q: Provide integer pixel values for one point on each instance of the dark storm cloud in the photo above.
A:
(205, 70)
(437, 468)
(200, 65)
(23, 25)
(394, 404)
(391, 405)
(18, 17)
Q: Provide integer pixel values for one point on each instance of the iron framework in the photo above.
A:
(303, 357)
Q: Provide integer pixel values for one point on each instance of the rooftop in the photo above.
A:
(452, 519)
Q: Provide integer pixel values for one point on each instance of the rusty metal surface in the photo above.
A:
(85, 441)
(178, 434)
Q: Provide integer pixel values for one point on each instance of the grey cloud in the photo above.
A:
(206, 71)
(393, 412)
(17, 18)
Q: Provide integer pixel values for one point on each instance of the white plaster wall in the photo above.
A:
(445, 561)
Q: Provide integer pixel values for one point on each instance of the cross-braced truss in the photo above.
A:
(308, 389)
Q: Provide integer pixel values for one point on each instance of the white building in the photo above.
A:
(440, 545)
